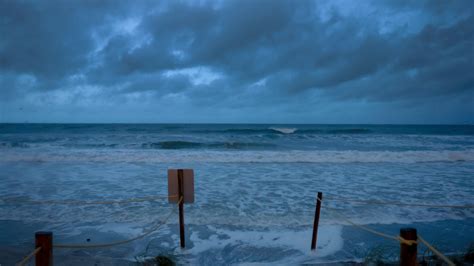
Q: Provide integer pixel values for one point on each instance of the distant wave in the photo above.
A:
(240, 145)
(284, 130)
(336, 131)
(242, 156)
(163, 145)
(249, 131)
(91, 145)
(350, 131)
(171, 145)
(175, 145)
(14, 144)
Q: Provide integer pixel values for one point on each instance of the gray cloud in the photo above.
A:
(236, 55)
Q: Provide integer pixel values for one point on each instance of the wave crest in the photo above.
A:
(176, 145)
(288, 130)
(284, 130)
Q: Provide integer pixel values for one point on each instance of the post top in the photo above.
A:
(409, 233)
(407, 230)
(43, 233)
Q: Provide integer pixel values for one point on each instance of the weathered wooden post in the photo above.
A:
(181, 191)
(181, 209)
(408, 253)
(316, 220)
(45, 256)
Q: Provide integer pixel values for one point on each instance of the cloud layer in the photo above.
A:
(237, 61)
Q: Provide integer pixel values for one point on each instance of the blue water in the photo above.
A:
(255, 187)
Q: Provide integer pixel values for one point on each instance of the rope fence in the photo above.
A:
(111, 244)
(26, 259)
(367, 229)
(82, 202)
(403, 241)
(435, 251)
(396, 238)
(376, 202)
(180, 189)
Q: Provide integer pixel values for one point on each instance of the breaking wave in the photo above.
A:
(176, 145)
(287, 130)
(163, 145)
(284, 130)
(14, 144)
(170, 145)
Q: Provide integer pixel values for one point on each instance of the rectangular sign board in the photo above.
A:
(188, 186)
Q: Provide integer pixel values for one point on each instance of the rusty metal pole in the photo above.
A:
(181, 207)
(408, 253)
(316, 220)
(45, 256)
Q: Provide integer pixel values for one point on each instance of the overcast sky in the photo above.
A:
(237, 61)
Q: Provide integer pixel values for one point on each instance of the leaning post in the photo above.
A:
(316, 220)
(408, 253)
(45, 256)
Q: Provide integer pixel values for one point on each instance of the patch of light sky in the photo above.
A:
(386, 20)
(128, 27)
(197, 75)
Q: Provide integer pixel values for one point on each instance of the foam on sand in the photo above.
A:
(292, 245)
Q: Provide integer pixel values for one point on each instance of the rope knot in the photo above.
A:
(406, 241)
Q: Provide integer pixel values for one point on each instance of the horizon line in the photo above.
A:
(236, 123)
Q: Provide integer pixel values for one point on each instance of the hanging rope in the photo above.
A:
(25, 260)
(435, 251)
(81, 202)
(397, 238)
(375, 202)
(153, 229)
(365, 228)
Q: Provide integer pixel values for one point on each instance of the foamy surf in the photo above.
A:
(284, 130)
(210, 156)
(289, 245)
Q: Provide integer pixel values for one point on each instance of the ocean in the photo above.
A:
(255, 189)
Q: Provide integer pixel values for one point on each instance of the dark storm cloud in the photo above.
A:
(49, 39)
(240, 53)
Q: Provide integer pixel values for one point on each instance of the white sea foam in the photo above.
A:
(284, 130)
(329, 240)
(173, 156)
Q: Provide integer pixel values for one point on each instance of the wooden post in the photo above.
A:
(181, 207)
(316, 220)
(45, 256)
(408, 252)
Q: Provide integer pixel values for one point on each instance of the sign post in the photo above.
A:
(45, 256)
(181, 190)
(181, 207)
(408, 253)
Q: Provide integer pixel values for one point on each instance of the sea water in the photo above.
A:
(255, 189)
